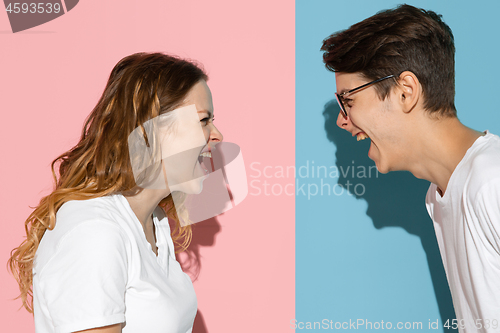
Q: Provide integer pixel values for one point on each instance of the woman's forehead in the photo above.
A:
(201, 96)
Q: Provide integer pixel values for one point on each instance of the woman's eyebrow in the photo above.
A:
(206, 111)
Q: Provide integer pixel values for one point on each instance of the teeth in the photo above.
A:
(361, 136)
(206, 154)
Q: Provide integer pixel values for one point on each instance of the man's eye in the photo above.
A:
(348, 102)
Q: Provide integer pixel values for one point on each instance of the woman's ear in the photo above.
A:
(409, 91)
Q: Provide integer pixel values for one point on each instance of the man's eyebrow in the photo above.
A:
(206, 111)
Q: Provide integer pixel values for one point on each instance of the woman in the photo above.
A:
(99, 254)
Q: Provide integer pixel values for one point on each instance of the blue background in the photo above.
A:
(374, 256)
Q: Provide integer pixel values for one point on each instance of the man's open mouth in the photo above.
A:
(361, 136)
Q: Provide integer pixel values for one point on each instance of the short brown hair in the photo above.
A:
(393, 41)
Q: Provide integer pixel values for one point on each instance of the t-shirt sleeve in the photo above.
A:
(84, 282)
(487, 287)
(488, 212)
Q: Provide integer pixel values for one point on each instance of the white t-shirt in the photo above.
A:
(467, 224)
(96, 268)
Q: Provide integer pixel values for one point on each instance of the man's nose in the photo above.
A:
(344, 123)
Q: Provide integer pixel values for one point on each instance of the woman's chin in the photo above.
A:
(194, 186)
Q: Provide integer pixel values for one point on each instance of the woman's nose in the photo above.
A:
(215, 135)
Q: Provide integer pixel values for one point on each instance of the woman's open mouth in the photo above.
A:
(205, 156)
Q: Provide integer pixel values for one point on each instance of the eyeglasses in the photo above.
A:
(341, 96)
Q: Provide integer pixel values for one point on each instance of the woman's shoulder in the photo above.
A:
(107, 207)
(105, 210)
(93, 221)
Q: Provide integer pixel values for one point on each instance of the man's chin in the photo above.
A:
(373, 155)
(381, 168)
(383, 171)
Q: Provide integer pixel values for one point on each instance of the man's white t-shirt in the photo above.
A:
(467, 224)
(96, 268)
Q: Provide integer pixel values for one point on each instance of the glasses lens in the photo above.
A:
(342, 108)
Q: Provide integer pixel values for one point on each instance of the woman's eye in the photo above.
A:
(206, 120)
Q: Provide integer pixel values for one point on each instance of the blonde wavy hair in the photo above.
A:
(140, 87)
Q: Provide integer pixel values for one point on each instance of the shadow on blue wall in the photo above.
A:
(396, 199)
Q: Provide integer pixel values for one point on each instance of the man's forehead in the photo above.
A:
(348, 81)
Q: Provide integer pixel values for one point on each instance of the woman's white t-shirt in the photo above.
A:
(96, 268)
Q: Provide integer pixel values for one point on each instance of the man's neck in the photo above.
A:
(440, 147)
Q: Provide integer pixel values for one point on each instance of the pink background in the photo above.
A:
(51, 78)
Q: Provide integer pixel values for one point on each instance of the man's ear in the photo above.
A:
(409, 91)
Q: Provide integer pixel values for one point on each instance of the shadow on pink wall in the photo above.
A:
(204, 234)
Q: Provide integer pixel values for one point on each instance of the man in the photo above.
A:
(395, 85)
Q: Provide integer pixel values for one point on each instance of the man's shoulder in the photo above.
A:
(484, 164)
